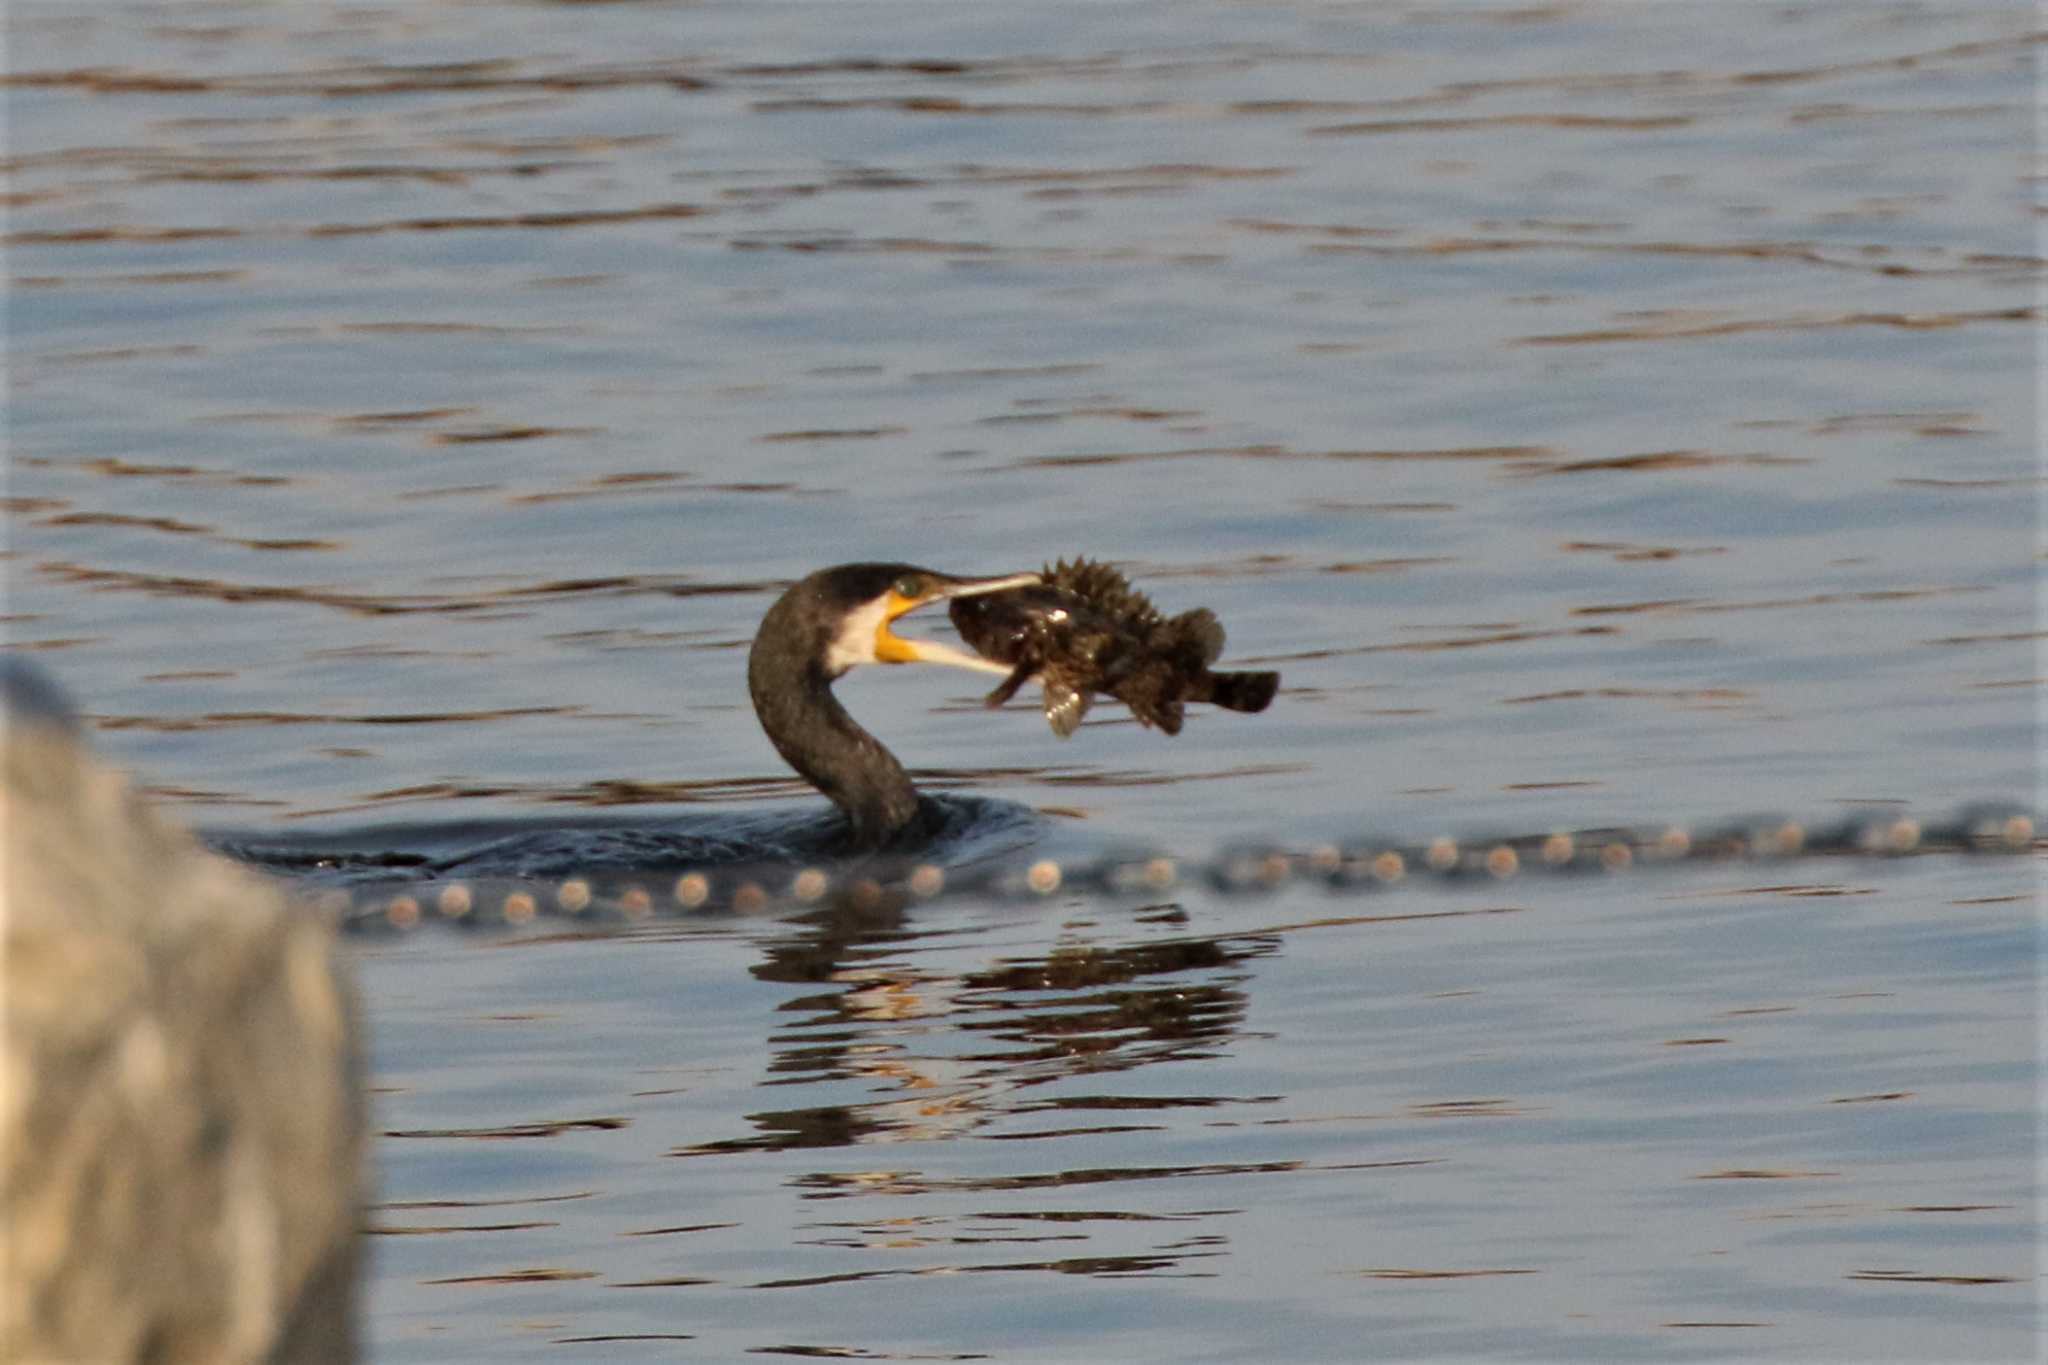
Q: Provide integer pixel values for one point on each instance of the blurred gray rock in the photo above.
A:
(181, 1123)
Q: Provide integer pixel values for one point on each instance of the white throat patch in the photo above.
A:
(855, 642)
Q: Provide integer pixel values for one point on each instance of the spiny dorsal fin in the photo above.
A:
(1100, 587)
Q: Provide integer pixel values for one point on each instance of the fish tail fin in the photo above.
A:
(1237, 691)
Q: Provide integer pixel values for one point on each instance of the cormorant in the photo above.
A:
(827, 623)
(1083, 629)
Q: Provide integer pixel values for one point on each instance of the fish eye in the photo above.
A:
(909, 585)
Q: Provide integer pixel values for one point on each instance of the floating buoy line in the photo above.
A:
(1362, 866)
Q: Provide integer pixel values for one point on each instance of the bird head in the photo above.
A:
(866, 600)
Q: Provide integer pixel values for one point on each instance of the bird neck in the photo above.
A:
(815, 735)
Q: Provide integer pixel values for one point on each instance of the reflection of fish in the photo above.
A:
(1086, 630)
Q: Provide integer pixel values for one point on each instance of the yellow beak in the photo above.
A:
(891, 648)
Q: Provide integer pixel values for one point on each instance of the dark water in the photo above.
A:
(1599, 413)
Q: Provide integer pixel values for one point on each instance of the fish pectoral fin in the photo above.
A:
(1007, 688)
(1064, 707)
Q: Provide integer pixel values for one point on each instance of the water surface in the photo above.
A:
(1599, 413)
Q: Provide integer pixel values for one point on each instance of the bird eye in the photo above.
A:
(909, 585)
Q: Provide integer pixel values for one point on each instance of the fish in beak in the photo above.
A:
(913, 589)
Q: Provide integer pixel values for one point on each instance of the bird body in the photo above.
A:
(831, 621)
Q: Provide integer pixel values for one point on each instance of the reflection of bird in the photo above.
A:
(826, 624)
